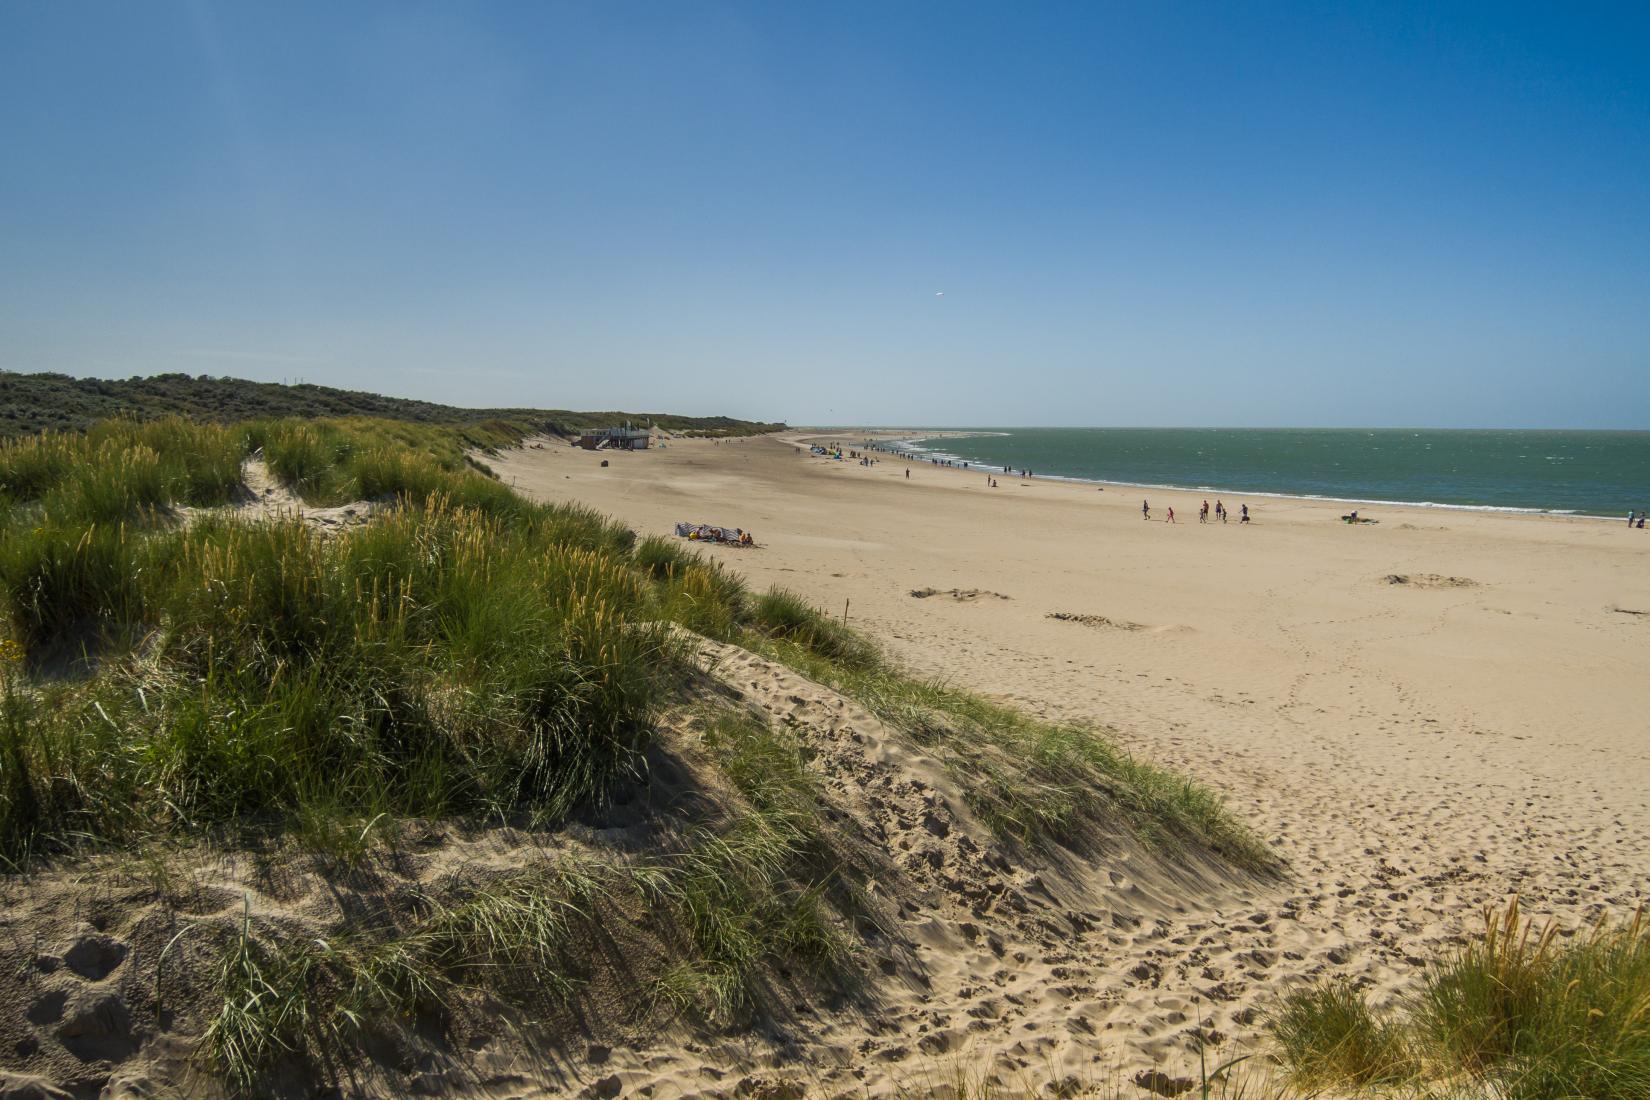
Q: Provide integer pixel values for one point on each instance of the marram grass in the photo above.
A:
(440, 663)
(1032, 782)
(466, 654)
(1518, 1013)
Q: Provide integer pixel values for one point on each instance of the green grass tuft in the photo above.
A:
(785, 615)
(1030, 781)
(757, 889)
(309, 1002)
(1518, 1013)
(1328, 1036)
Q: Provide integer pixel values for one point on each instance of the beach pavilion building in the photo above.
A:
(619, 438)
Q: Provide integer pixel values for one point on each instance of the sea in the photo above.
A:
(1587, 473)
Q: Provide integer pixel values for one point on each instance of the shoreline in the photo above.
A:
(887, 436)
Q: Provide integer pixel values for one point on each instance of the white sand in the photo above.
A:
(1413, 751)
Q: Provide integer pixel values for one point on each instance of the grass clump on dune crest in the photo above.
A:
(785, 615)
(307, 458)
(435, 663)
(1516, 1013)
(122, 468)
(699, 593)
(330, 462)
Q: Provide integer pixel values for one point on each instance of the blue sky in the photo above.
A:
(1154, 213)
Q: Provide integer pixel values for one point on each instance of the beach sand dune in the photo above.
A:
(1413, 750)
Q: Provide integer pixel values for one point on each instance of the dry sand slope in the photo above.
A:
(1412, 748)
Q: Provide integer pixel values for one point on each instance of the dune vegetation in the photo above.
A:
(177, 674)
(1516, 1012)
(31, 403)
(466, 653)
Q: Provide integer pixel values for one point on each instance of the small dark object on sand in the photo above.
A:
(1155, 1080)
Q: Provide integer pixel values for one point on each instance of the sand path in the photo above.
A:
(1412, 750)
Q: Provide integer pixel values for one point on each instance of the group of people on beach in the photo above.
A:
(955, 463)
(1218, 511)
(1221, 512)
(1636, 519)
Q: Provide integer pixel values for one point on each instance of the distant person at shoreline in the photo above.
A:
(1220, 510)
(1245, 518)
(1145, 510)
(1171, 515)
(1203, 513)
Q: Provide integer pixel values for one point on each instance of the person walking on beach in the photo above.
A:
(1145, 510)
(1220, 510)
(1245, 518)
(1203, 513)
(908, 473)
(1171, 515)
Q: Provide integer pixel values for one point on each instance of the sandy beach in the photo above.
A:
(1421, 716)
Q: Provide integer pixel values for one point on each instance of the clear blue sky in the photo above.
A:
(1151, 213)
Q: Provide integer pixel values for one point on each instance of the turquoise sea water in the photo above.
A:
(1587, 473)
